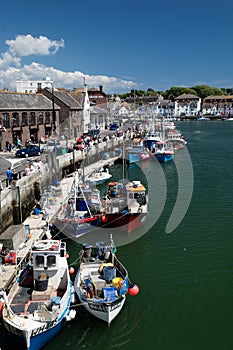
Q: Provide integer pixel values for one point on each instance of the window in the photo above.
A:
(51, 260)
(39, 261)
(15, 119)
(6, 120)
(24, 119)
(40, 118)
(32, 118)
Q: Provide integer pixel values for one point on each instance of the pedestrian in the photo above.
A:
(1, 186)
(18, 143)
(27, 170)
(14, 176)
(14, 179)
(9, 174)
(32, 168)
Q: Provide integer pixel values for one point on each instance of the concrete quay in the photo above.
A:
(38, 226)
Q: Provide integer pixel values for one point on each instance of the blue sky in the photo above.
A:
(121, 45)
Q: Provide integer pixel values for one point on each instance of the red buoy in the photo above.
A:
(133, 289)
(104, 218)
(1, 308)
(71, 270)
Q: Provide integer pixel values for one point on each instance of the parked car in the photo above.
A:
(114, 126)
(52, 146)
(28, 151)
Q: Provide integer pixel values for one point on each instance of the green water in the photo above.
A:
(185, 276)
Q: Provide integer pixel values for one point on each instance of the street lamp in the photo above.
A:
(50, 82)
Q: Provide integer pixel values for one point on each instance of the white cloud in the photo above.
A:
(25, 45)
(12, 69)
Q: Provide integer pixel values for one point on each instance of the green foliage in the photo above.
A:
(201, 91)
(205, 90)
(177, 91)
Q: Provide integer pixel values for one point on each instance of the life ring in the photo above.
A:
(42, 245)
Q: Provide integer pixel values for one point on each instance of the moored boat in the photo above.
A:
(101, 282)
(98, 176)
(38, 304)
(124, 206)
(81, 211)
(151, 138)
(137, 152)
(163, 153)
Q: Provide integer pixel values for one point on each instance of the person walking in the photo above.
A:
(14, 175)
(9, 174)
(14, 179)
(27, 170)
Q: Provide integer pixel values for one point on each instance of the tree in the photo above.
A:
(204, 90)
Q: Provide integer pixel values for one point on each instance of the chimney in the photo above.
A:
(101, 88)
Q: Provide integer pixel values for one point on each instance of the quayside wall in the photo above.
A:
(17, 202)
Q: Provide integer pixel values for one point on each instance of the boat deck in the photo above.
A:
(91, 271)
(26, 300)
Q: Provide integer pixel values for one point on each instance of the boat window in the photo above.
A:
(51, 260)
(40, 261)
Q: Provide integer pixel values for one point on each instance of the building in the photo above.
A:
(33, 86)
(218, 105)
(188, 105)
(26, 116)
(71, 117)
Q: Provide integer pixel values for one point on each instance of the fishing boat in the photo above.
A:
(38, 304)
(163, 151)
(137, 152)
(151, 138)
(102, 282)
(175, 138)
(124, 205)
(81, 210)
(98, 176)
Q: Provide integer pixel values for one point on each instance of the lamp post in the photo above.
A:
(53, 109)
(49, 82)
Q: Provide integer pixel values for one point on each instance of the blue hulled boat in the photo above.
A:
(38, 304)
(137, 152)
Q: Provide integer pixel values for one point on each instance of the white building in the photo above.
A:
(188, 105)
(33, 86)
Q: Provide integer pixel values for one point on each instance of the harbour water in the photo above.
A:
(184, 275)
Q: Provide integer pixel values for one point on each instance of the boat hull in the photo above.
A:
(137, 157)
(105, 311)
(74, 228)
(125, 221)
(163, 158)
(36, 342)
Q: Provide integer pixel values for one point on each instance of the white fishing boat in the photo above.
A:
(98, 176)
(38, 304)
(137, 151)
(102, 281)
(81, 210)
